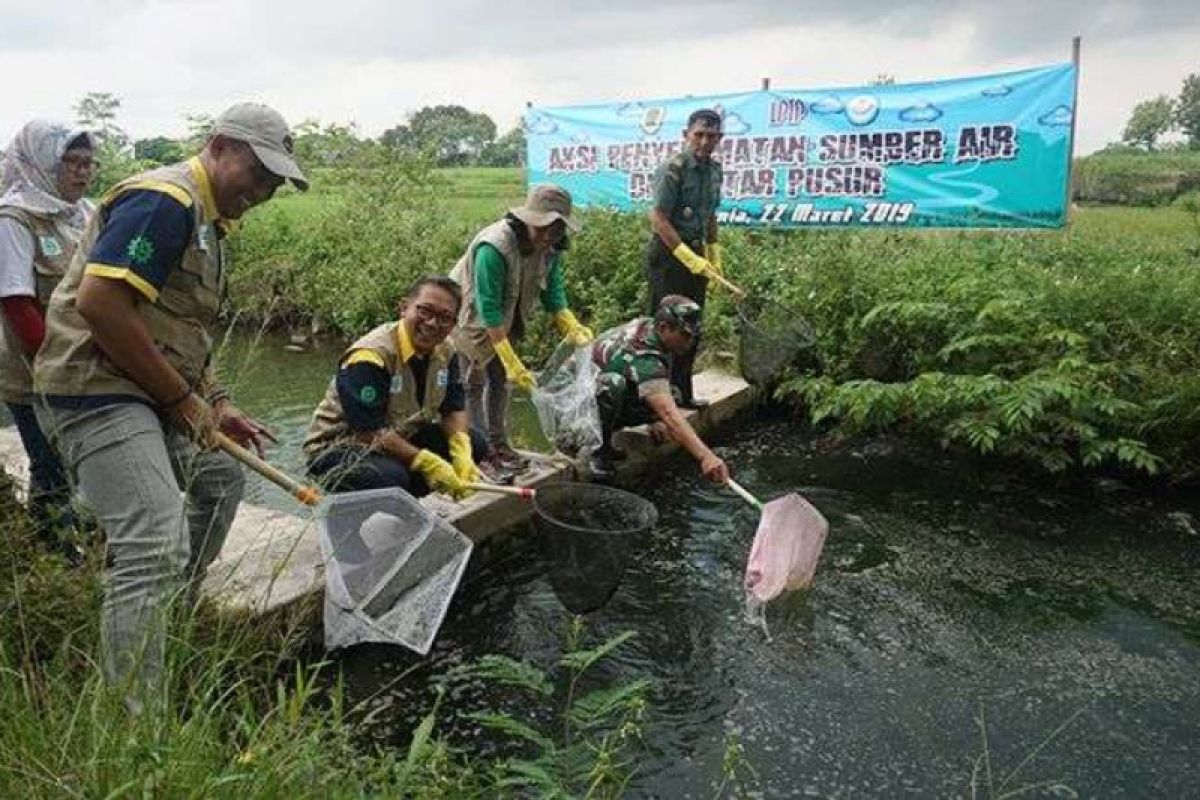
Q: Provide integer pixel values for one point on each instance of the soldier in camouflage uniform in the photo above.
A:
(683, 252)
(634, 385)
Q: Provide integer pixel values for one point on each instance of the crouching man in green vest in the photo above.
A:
(125, 388)
(395, 412)
(634, 385)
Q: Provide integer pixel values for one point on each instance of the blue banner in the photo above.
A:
(982, 152)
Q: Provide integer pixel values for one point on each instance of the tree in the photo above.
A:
(1187, 109)
(97, 112)
(1150, 119)
(199, 129)
(452, 135)
(332, 145)
(159, 149)
(507, 151)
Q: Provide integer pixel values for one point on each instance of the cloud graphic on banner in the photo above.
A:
(1059, 116)
(537, 125)
(732, 124)
(826, 105)
(999, 90)
(862, 110)
(922, 111)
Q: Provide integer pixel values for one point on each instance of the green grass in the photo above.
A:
(245, 714)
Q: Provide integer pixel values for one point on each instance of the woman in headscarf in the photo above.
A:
(45, 172)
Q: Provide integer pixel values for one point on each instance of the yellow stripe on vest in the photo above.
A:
(368, 356)
(171, 189)
(123, 274)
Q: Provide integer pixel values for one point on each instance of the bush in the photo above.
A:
(1135, 177)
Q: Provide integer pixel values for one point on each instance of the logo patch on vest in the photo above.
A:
(206, 237)
(397, 383)
(368, 395)
(443, 378)
(50, 246)
(140, 250)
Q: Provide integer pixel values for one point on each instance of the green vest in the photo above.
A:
(524, 281)
(404, 413)
(54, 244)
(180, 320)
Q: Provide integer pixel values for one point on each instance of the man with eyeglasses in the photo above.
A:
(126, 389)
(395, 415)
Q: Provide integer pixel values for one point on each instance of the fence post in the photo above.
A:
(1071, 139)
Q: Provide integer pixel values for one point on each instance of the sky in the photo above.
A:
(371, 62)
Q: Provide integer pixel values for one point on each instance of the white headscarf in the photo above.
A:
(29, 170)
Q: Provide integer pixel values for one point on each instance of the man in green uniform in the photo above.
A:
(634, 385)
(683, 252)
(395, 413)
(125, 385)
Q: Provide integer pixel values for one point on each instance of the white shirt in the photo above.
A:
(17, 248)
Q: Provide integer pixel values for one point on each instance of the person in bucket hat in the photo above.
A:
(634, 386)
(510, 267)
(126, 389)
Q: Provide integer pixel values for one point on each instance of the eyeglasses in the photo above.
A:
(430, 314)
(80, 163)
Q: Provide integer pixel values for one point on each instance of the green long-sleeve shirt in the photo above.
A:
(490, 270)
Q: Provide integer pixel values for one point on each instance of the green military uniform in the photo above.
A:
(688, 192)
(634, 365)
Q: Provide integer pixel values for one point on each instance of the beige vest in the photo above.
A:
(54, 244)
(404, 413)
(524, 282)
(179, 320)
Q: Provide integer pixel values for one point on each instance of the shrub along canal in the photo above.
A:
(958, 611)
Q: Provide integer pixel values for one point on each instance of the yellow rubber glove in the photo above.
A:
(572, 329)
(693, 262)
(461, 460)
(712, 251)
(440, 475)
(517, 372)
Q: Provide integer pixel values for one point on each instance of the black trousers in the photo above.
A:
(666, 276)
(347, 468)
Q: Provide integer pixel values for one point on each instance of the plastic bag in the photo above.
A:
(565, 400)
(786, 548)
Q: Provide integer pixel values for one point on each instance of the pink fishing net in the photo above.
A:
(786, 548)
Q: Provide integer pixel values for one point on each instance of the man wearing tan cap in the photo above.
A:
(125, 385)
(509, 267)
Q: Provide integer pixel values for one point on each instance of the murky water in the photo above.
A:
(950, 604)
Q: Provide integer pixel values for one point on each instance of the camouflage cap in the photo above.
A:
(267, 133)
(683, 312)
